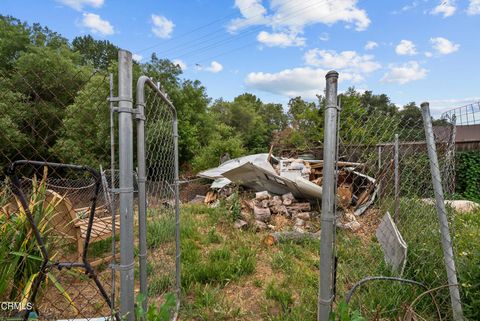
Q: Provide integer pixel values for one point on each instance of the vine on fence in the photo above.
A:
(468, 175)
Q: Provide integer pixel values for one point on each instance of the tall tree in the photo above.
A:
(98, 53)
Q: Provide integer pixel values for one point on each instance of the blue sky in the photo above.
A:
(413, 50)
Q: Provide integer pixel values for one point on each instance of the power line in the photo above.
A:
(249, 44)
(193, 30)
(214, 35)
(242, 35)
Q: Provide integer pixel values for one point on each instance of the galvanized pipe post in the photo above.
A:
(112, 194)
(142, 191)
(325, 297)
(397, 181)
(442, 215)
(125, 138)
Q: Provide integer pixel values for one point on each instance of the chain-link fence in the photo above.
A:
(386, 213)
(60, 223)
(55, 219)
(158, 142)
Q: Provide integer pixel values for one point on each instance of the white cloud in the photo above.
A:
(324, 36)
(291, 16)
(137, 57)
(345, 61)
(298, 13)
(253, 13)
(280, 39)
(428, 54)
(79, 4)
(401, 74)
(473, 7)
(214, 67)
(96, 24)
(414, 4)
(162, 27)
(303, 81)
(370, 45)
(446, 7)
(181, 63)
(444, 46)
(406, 47)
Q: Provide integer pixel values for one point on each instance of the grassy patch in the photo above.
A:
(160, 230)
(160, 285)
(280, 295)
(208, 303)
(230, 274)
(218, 266)
(466, 236)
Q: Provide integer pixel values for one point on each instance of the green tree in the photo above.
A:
(306, 119)
(85, 134)
(15, 37)
(98, 53)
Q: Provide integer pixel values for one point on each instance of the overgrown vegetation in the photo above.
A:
(231, 274)
(468, 175)
(20, 255)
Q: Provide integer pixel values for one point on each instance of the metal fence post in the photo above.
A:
(328, 199)
(142, 192)
(125, 139)
(442, 215)
(397, 181)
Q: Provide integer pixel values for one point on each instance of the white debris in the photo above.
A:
(393, 246)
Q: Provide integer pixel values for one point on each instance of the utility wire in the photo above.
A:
(196, 29)
(242, 35)
(212, 36)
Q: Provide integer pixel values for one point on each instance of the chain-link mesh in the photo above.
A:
(389, 223)
(53, 109)
(161, 197)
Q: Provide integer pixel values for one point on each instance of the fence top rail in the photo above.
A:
(145, 80)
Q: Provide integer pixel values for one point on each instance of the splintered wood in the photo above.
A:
(210, 197)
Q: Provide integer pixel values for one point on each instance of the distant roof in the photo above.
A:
(464, 133)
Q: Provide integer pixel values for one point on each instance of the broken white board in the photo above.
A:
(260, 179)
(260, 160)
(393, 246)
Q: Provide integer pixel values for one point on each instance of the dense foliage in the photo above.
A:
(468, 175)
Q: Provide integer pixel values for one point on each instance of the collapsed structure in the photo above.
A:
(303, 178)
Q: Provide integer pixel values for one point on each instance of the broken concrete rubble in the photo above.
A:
(271, 213)
(260, 226)
(198, 199)
(261, 213)
(240, 224)
(288, 199)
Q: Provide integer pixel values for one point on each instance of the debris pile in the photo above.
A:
(286, 186)
(270, 209)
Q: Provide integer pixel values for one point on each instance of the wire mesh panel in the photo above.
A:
(162, 210)
(465, 115)
(53, 263)
(53, 108)
(386, 213)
